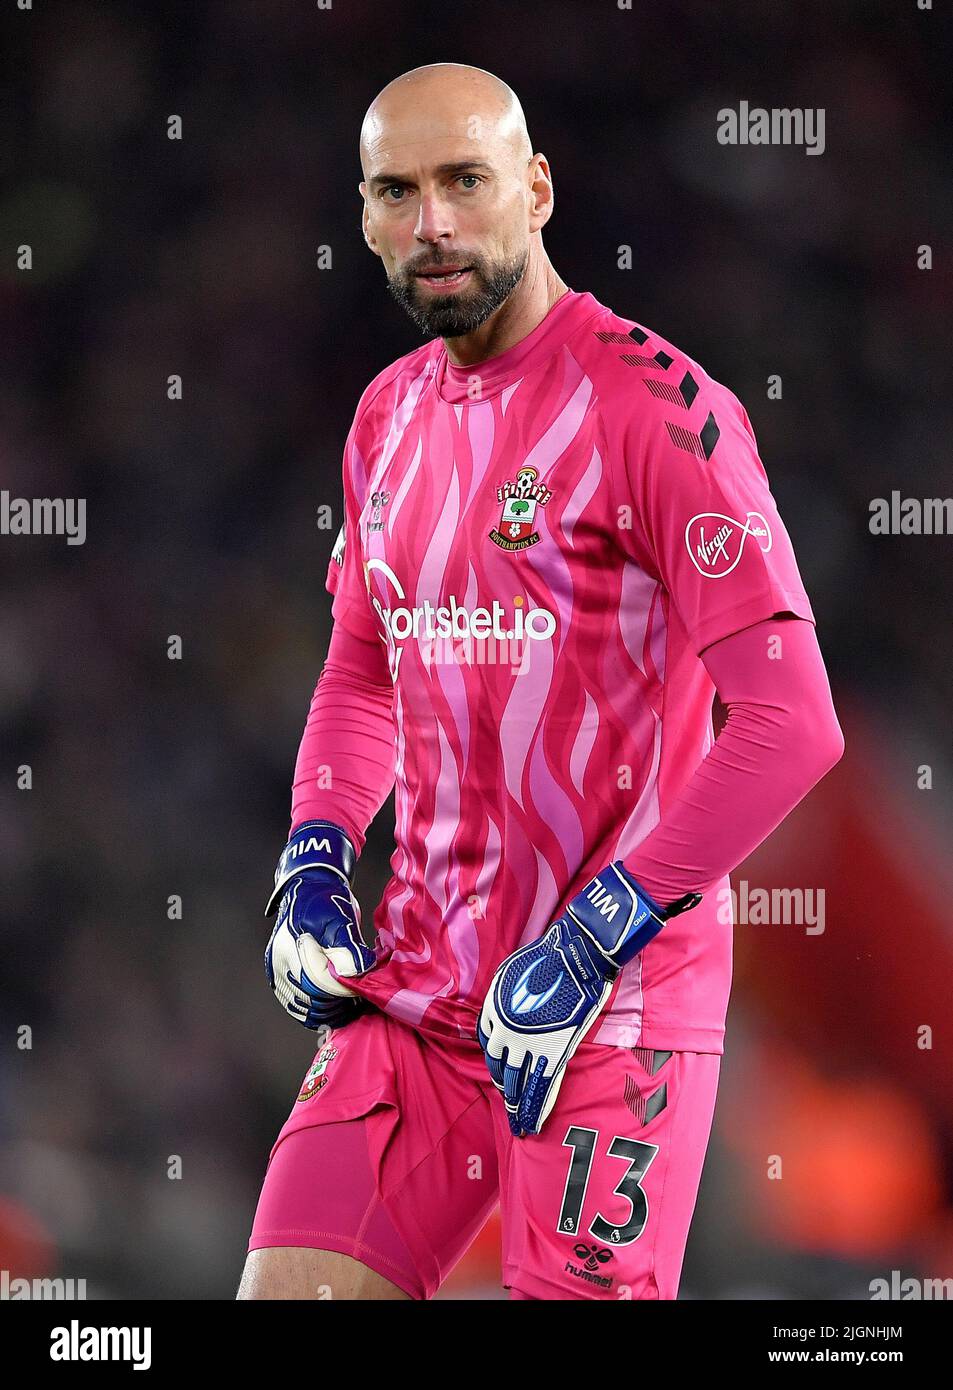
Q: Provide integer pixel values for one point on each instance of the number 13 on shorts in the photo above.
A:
(638, 1157)
(599, 1205)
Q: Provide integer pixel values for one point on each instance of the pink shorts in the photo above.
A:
(397, 1150)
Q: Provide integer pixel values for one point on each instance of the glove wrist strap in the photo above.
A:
(316, 844)
(620, 916)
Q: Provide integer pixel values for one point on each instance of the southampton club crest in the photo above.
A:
(520, 500)
(316, 1079)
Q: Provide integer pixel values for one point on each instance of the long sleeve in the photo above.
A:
(780, 737)
(346, 760)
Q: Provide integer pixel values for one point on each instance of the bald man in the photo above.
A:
(559, 543)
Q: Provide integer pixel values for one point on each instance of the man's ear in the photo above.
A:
(541, 187)
(365, 221)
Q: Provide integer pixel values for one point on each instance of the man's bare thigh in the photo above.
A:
(296, 1272)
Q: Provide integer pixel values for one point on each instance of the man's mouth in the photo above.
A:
(444, 278)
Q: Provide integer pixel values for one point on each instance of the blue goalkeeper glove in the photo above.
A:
(319, 921)
(546, 996)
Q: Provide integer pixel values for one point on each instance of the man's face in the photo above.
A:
(448, 217)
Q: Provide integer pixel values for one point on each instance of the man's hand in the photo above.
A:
(319, 922)
(546, 996)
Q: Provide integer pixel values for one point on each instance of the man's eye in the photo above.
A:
(394, 188)
(473, 178)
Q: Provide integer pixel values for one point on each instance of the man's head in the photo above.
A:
(454, 198)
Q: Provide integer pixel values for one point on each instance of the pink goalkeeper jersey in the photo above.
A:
(545, 542)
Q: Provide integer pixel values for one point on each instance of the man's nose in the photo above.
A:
(433, 220)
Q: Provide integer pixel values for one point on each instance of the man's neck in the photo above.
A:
(513, 321)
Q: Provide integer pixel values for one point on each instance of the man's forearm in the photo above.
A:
(347, 756)
(780, 738)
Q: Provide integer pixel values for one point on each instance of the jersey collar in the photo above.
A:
(455, 384)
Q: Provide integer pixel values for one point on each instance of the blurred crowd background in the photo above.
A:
(154, 1037)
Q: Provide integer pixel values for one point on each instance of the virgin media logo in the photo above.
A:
(716, 542)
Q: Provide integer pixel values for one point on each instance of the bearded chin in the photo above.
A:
(454, 315)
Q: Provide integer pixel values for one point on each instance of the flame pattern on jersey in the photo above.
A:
(550, 699)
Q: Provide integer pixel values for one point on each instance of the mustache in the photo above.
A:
(426, 262)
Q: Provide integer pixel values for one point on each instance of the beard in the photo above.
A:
(454, 315)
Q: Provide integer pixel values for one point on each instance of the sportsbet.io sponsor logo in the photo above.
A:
(431, 624)
(453, 634)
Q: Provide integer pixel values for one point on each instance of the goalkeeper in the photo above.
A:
(559, 542)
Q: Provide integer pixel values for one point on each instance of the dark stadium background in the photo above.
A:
(154, 1037)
